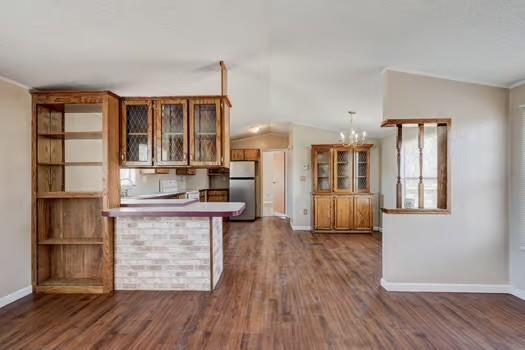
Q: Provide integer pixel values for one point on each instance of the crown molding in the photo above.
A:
(516, 84)
(14, 82)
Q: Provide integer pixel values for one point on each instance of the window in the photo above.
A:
(422, 161)
(127, 177)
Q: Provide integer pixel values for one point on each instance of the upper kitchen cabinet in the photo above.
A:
(205, 132)
(137, 133)
(175, 132)
(171, 130)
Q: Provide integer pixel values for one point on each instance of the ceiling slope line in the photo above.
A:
(438, 76)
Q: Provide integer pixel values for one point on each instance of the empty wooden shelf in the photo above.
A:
(75, 177)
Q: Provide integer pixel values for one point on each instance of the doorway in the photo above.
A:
(274, 183)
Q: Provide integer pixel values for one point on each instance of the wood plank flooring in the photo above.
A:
(280, 290)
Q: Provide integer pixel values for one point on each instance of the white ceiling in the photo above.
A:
(301, 61)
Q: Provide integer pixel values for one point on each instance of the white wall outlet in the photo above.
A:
(305, 211)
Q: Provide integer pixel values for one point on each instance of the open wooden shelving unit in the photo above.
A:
(72, 242)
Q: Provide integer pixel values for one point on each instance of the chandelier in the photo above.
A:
(353, 137)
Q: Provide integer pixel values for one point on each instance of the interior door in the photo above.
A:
(344, 213)
(171, 130)
(278, 182)
(323, 212)
(363, 213)
(137, 133)
(205, 132)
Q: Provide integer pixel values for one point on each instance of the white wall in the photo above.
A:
(15, 179)
(300, 172)
(469, 245)
(516, 231)
(147, 184)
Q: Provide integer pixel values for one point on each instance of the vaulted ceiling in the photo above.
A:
(300, 61)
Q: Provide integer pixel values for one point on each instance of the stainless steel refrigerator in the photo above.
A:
(242, 188)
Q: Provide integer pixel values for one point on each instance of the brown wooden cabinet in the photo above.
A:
(137, 133)
(171, 130)
(322, 169)
(343, 210)
(175, 132)
(72, 243)
(205, 132)
(251, 154)
(323, 212)
(342, 201)
(221, 195)
(245, 154)
(362, 213)
(217, 195)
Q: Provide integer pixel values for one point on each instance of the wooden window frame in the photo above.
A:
(443, 177)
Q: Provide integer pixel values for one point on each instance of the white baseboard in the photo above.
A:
(301, 228)
(377, 228)
(518, 293)
(445, 287)
(18, 294)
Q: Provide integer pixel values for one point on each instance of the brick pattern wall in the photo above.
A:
(217, 250)
(168, 253)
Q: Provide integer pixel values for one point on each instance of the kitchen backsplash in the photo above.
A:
(136, 183)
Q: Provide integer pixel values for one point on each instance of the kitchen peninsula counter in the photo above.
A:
(172, 246)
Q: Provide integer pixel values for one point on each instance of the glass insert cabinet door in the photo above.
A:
(171, 122)
(205, 137)
(343, 167)
(137, 133)
(361, 169)
(322, 164)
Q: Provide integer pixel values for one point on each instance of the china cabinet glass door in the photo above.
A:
(343, 169)
(170, 131)
(322, 162)
(361, 170)
(205, 137)
(137, 133)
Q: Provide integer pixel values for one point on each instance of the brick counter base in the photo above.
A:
(168, 253)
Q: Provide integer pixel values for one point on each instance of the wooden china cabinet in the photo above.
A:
(341, 196)
(175, 132)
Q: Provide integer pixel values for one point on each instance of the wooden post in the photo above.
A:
(399, 142)
(442, 175)
(421, 186)
(224, 79)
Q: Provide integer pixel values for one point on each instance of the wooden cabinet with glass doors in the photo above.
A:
(175, 132)
(341, 201)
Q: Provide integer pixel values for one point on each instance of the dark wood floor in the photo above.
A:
(280, 290)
